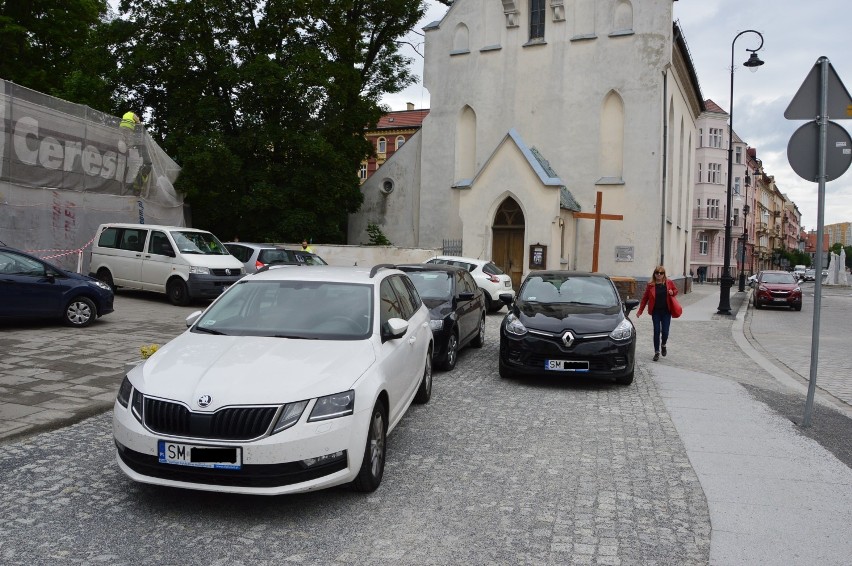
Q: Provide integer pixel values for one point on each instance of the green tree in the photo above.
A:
(59, 48)
(264, 103)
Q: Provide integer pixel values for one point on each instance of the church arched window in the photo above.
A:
(537, 13)
(466, 145)
(622, 20)
(461, 40)
(611, 151)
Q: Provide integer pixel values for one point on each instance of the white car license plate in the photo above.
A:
(565, 365)
(219, 457)
(779, 299)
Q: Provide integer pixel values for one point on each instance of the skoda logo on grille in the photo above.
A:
(227, 272)
(568, 339)
(204, 401)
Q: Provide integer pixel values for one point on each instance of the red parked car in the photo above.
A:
(777, 289)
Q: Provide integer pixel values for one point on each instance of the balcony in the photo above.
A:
(703, 223)
(761, 227)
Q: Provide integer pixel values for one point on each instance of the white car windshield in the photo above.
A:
(595, 291)
(307, 310)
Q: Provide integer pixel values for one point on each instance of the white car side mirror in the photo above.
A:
(190, 320)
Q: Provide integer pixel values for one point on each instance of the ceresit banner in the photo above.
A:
(47, 147)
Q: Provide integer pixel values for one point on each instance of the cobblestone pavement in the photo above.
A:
(52, 375)
(489, 472)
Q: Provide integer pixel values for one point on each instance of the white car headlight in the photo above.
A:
(623, 331)
(515, 326)
(436, 324)
(199, 270)
(333, 406)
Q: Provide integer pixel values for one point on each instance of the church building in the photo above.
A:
(561, 135)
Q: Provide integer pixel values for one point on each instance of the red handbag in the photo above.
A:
(674, 307)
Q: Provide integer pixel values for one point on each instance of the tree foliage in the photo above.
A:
(264, 103)
(59, 48)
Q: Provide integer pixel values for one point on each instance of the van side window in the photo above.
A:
(160, 245)
(109, 238)
(133, 239)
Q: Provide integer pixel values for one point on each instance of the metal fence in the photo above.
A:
(452, 247)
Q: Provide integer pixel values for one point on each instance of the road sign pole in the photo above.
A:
(823, 137)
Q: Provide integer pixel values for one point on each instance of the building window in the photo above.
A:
(399, 141)
(739, 153)
(382, 145)
(715, 137)
(712, 208)
(699, 172)
(714, 173)
(698, 208)
(736, 185)
(362, 173)
(537, 14)
(700, 137)
(703, 244)
(736, 220)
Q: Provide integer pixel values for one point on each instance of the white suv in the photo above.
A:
(488, 277)
(289, 382)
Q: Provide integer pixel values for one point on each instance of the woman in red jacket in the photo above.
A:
(661, 310)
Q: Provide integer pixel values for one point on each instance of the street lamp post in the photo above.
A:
(726, 280)
(745, 233)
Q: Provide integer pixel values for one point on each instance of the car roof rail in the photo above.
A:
(379, 266)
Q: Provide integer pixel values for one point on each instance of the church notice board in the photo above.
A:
(538, 256)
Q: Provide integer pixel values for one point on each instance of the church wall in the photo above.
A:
(553, 93)
(395, 212)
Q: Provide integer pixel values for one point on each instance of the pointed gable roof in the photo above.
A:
(540, 166)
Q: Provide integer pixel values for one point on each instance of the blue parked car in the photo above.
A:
(33, 288)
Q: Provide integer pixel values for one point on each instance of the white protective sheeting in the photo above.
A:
(65, 169)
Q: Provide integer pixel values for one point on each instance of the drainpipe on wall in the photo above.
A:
(665, 164)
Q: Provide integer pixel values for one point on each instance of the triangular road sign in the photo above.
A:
(805, 105)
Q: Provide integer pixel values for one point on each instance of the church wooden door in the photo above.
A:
(508, 240)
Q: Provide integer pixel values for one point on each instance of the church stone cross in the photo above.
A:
(597, 216)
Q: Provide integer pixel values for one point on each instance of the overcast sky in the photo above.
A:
(796, 33)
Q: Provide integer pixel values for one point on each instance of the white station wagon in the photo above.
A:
(288, 382)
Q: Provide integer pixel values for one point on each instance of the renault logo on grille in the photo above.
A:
(568, 339)
(204, 401)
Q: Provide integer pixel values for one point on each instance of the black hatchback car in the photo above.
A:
(456, 307)
(568, 323)
(33, 288)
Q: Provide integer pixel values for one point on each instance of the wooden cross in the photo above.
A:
(597, 216)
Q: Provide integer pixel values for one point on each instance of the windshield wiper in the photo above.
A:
(209, 331)
(294, 337)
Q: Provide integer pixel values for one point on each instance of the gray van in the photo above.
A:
(183, 263)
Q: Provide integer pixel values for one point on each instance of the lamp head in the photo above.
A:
(753, 62)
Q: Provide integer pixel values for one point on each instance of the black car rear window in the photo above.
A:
(492, 269)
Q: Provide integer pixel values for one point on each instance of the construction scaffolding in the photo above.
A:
(66, 168)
